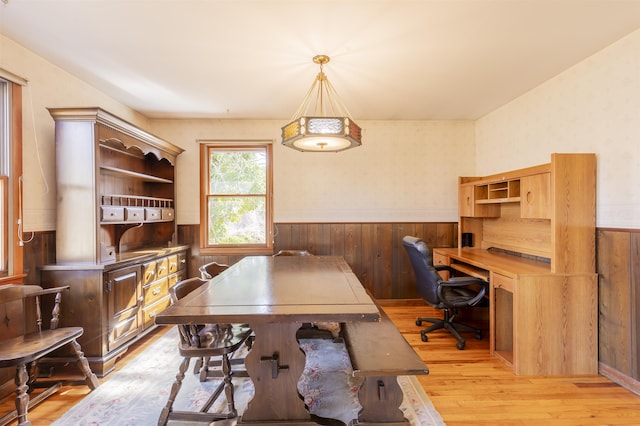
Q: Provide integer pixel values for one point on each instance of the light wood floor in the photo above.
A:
(466, 387)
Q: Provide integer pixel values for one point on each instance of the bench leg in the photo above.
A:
(22, 398)
(83, 364)
(381, 397)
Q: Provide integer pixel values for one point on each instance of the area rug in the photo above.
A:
(136, 394)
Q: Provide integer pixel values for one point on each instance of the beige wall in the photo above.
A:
(405, 170)
(48, 86)
(592, 107)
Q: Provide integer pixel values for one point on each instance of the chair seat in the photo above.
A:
(30, 347)
(212, 343)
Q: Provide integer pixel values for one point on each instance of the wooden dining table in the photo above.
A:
(275, 296)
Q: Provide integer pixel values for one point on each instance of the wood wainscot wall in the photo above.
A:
(375, 253)
(373, 250)
(618, 266)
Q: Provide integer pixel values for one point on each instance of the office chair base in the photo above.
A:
(448, 324)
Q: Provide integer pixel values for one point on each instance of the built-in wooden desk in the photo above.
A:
(541, 323)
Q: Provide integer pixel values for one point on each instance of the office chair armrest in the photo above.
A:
(444, 268)
(460, 281)
(464, 282)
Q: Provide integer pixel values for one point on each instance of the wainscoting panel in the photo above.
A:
(373, 250)
(618, 266)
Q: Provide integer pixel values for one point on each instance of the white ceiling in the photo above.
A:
(390, 59)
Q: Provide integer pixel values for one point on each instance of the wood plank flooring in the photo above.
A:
(470, 387)
(467, 387)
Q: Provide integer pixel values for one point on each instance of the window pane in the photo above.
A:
(5, 167)
(237, 172)
(237, 220)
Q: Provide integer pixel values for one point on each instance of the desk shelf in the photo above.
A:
(546, 210)
(472, 271)
(507, 191)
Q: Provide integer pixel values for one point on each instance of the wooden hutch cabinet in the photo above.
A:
(116, 239)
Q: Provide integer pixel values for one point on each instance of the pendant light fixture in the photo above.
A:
(329, 127)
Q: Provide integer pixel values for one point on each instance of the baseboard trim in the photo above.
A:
(617, 377)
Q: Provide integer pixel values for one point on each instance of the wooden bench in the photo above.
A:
(24, 340)
(379, 354)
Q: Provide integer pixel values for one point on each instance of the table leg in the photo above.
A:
(381, 397)
(275, 364)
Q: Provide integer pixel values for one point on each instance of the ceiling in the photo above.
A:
(390, 59)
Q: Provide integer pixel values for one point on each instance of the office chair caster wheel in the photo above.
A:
(460, 345)
(424, 337)
(418, 323)
(479, 335)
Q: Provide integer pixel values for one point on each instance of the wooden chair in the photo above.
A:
(293, 253)
(204, 341)
(207, 272)
(24, 340)
(211, 269)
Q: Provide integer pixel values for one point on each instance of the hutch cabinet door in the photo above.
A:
(124, 299)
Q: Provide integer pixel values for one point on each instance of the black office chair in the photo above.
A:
(446, 295)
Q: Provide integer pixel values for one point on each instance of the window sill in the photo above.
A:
(246, 251)
(12, 279)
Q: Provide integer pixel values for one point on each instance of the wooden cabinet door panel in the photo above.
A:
(466, 200)
(123, 297)
(535, 198)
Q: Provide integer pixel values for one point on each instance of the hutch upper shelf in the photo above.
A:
(115, 186)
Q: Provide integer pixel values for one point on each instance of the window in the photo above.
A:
(5, 155)
(4, 197)
(11, 269)
(235, 205)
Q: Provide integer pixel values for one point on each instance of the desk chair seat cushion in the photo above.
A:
(461, 291)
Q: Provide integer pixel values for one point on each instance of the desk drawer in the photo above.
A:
(500, 281)
(440, 259)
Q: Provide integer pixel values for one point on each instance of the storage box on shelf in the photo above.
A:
(116, 240)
